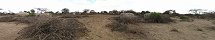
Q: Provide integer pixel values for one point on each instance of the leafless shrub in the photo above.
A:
(53, 29)
(116, 26)
(127, 18)
(120, 23)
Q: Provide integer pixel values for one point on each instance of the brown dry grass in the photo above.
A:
(9, 30)
(199, 29)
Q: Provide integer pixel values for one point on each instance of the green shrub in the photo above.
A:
(157, 18)
(184, 17)
(31, 14)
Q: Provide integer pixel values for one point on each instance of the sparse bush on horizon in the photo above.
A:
(31, 13)
(65, 10)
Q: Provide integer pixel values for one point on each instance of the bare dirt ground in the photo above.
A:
(196, 30)
(9, 30)
(96, 24)
(98, 30)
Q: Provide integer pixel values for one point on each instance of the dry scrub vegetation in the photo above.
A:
(54, 29)
(48, 28)
(67, 27)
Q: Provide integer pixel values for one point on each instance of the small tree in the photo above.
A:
(86, 10)
(167, 12)
(92, 11)
(57, 12)
(31, 13)
(42, 9)
(25, 11)
(147, 11)
(104, 12)
(65, 10)
(196, 11)
(114, 12)
(143, 12)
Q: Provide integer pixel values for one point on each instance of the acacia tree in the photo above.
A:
(86, 10)
(41, 10)
(92, 11)
(196, 11)
(147, 12)
(65, 10)
(32, 11)
(104, 12)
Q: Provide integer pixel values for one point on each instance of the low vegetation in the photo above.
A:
(157, 18)
(128, 18)
(186, 18)
(53, 29)
(7, 19)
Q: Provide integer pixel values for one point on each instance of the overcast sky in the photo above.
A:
(181, 6)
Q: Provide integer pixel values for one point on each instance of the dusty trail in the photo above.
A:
(98, 30)
(9, 30)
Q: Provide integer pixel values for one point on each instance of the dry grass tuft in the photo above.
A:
(120, 23)
(116, 26)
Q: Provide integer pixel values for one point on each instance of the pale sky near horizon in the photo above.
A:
(181, 6)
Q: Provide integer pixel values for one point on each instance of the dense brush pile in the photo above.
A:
(53, 29)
